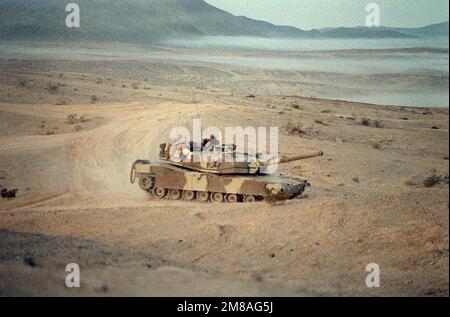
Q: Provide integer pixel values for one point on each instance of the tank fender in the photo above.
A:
(139, 167)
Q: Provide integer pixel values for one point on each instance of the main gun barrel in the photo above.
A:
(299, 157)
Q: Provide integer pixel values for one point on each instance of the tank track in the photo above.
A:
(204, 197)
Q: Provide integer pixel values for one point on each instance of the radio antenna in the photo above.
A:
(198, 113)
(195, 101)
(178, 124)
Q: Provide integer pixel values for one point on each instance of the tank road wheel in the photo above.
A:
(188, 195)
(249, 199)
(217, 198)
(174, 194)
(146, 183)
(231, 198)
(159, 192)
(202, 196)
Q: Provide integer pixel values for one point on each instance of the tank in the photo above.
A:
(178, 175)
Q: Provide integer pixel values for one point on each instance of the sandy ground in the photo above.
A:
(75, 204)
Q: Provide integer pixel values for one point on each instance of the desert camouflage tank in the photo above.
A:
(179, 176)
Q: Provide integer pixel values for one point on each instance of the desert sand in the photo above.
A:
(70, 130)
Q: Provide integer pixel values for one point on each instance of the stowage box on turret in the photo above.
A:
(181, 175)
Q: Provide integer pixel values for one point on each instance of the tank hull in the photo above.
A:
(169, 177)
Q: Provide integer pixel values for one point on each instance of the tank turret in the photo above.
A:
(225, 161)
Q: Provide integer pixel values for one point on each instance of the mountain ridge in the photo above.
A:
(148, 21)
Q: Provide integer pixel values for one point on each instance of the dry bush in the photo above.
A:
(72, 118)
(295, 128)
(52, 88)
(135, 86)
(379, 144)
(435, 179)
(377, 124)
(63, 102)
(376, 145)
(431, 181)
(365, 122)
(370, 123)
(94, 99)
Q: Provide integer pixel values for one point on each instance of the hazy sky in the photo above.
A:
(308, 14)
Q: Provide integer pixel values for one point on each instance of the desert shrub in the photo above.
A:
(52, 88)
(371, 123)
(72, 119)
(365, 122)
(94, 99)
(63, 102)
(295, 128)
(376, 145)
(431, 181)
